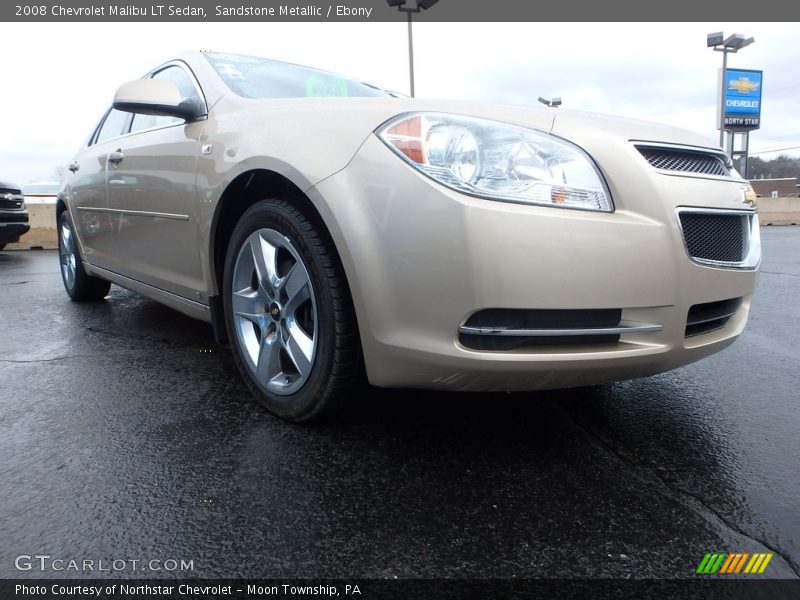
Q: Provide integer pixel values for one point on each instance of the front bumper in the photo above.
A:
(420, 259)
(12, 230)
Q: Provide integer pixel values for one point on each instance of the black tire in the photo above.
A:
(2, 246)
(336, 375)
(81, 287)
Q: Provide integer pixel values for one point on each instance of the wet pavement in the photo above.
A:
(125, 434)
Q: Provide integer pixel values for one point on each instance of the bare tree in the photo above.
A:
(58, 173)
(781, 166)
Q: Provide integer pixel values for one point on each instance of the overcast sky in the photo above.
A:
(59, 78)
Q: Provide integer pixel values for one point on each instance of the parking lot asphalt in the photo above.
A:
(126, 434)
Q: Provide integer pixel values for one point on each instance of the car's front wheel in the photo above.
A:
(289, 314)
(80, 286)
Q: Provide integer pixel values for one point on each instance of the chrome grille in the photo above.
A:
(718, 238)
(10, 202)
(686, 161)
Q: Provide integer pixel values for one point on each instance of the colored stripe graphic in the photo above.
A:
(754, 563)
(728, 562)
(703, 563)
(741, 562)
(766, 562)
(711, 563)
(733, 563)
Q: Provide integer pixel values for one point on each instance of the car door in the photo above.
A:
(152, 197)
(87, 185)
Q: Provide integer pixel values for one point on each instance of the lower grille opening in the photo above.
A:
(710, 316)
(723, 238)
(494, 323)
(492, 343)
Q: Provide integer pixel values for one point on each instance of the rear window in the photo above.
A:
(253, 77)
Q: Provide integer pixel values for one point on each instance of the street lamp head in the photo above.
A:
(555, 102)
(747, 42)
(734, 41)
(394, 3)
(426, 4)
(715, 39)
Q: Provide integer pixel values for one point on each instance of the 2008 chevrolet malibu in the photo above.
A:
(336, 234)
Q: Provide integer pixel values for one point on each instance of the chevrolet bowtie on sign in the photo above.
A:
(734, 563)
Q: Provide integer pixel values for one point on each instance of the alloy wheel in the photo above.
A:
(274, 312)
(66, 251)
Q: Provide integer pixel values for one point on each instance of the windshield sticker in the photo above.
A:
(320, 86)
(231, 72)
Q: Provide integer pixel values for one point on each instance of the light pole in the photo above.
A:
(733, 43)
(420, 6)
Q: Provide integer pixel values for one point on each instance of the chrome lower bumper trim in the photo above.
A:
(622, 329)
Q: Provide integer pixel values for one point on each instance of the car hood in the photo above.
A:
(5, 185)
(572, 123)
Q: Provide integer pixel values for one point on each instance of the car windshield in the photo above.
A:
(253, 77)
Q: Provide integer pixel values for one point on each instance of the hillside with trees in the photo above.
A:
(776, 168)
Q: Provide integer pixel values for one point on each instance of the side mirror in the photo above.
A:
(156, 97)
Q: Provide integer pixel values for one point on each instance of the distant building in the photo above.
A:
(785, 186)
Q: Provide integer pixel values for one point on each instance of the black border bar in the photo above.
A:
(378, 11)
(403, 589)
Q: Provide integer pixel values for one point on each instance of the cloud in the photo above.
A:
(657, 71)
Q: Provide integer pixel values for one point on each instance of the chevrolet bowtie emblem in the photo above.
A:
(742, 85)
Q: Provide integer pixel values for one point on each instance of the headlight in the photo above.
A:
(497, 161)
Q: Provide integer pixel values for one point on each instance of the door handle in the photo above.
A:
(116, 157)
(73, 166)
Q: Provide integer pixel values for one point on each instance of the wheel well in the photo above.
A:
(244, 191)
(61, 206)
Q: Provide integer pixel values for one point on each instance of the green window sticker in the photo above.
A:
(325, 86)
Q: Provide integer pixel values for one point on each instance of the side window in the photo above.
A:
(112, 126)
(185, 86)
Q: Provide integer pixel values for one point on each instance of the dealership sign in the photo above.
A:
(742, 99)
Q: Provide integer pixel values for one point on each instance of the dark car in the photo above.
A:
(13, 216)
